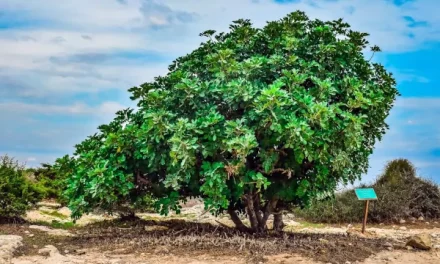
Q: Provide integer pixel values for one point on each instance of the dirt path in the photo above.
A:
(395, 257)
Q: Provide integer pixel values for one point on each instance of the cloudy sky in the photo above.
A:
(65, 66)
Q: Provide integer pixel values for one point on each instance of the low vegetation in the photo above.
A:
(402, 195)
(17, 192)
(49, 181)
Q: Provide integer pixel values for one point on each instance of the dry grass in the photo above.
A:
(181, 237)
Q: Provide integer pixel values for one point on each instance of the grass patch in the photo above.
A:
(54, 214)
(152, 218)
(56, 224)
(189, 216)
(305, 224)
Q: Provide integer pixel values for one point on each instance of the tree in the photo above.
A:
(251, 121)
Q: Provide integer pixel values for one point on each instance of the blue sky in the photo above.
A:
(65, 69)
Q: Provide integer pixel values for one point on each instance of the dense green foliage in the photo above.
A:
(401, 195)
(17, 193)
(252, 120)
(52, 183)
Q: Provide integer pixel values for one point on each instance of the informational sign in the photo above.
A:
(366, 194)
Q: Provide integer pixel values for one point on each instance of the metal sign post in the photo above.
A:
(365, 194)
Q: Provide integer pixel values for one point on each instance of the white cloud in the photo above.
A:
(402, 76)
(418, 103)
(413, 134)
(45, 132)
(106, 108)
(113, 27)
(31, 159)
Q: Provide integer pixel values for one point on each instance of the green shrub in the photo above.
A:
(17, 194)
(50, 181)
(401, 195)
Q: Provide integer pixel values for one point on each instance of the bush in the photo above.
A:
(401, 194)
(50, 182)
(17, 194)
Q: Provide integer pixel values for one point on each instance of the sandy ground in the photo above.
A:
(194, 212)
(394, 257)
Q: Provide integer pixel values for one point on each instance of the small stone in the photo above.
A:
(421, 218)
(290, 216)
(27, 232)
(427, 223)
(421, 241)
(35, 246)
(48, 250)
(31, 235)
(347, 262)
(409, 247)
(349, 226)
(80, 252)
(381, 224)
(412, 219)
(388, 244)
(403, 228)
(402, 221)
(66, 251)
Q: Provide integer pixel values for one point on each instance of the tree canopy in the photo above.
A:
(251, 121)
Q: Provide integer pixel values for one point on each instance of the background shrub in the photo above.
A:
(49, 181)
(401, 195)
(17, 193)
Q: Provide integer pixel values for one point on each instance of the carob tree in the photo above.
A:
(251, 121)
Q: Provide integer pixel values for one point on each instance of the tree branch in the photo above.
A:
(237, 221)
(287, 172)
(269, 208)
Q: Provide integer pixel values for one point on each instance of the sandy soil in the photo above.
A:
(395, 257)
(150, 241)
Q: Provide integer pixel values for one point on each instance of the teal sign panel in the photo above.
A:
(366, 194)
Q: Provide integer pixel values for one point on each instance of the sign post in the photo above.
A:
(365, 194)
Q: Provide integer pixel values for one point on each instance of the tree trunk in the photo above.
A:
(268, 210)
(278, 223)
(257, 217)
(250, 210)
(258, 212)
(237, 221)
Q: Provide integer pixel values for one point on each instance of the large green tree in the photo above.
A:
(251, 121)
